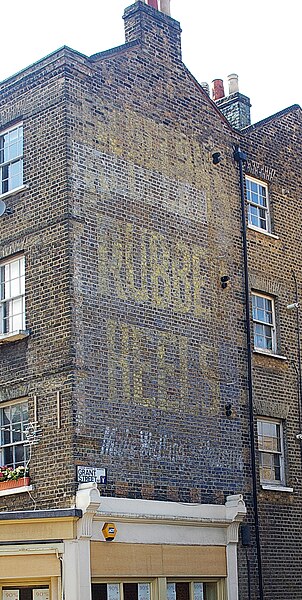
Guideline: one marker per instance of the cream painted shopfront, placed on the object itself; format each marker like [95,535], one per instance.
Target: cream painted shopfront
[160,550]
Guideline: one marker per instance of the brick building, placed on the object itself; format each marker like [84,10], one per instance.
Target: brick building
[124,352]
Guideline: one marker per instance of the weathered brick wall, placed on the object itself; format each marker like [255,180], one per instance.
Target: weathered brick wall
[127,227]
[274,151]
[159,342]
[123,195]
[40,365]
[237,109]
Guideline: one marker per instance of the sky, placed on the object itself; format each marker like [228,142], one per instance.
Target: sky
[259,40]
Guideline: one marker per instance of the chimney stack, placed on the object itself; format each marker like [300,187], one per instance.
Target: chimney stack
[217,89]
[155,29]
[235,107]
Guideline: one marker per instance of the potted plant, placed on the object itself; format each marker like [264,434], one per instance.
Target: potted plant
[13,477]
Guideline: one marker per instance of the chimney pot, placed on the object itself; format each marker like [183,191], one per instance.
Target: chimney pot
[165,6]
[233,83]
[153,3]
[205,86]
[217,89]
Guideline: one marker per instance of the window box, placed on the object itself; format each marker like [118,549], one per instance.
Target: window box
[14,483]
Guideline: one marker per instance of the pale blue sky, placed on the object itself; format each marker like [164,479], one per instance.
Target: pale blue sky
[260,41]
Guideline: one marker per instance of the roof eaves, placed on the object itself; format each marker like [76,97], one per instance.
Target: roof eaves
[273,117]
[114,51]
[63,50]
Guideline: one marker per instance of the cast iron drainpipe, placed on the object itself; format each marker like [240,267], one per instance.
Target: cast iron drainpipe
[240,157]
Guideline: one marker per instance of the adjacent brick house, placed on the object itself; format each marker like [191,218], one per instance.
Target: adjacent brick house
[123,338]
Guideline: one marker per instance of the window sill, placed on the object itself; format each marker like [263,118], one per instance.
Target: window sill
[14,336]
[272,235]
[19,490]
[269,354]
[276,488]
[21,188]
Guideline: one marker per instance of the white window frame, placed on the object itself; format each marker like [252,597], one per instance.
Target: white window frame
[11,159]
[218,585]
[12,296]
[258,204]
[13,430]
[264,324]
[275,454]
[115,589]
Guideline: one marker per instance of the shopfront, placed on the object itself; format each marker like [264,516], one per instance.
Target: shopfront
[121,549]
[32,547]
[164,550]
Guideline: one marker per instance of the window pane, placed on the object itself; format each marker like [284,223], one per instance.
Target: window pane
[6,415]
[14,288]
[130,591]
[15,175]
[143,591]
[19,455]
[16,413]
[13,150]
[99,591]
[4,179]
[113,591]
[171,591]
[18,318]
[198,591]
[254,186]
[8,457]
[24,410]
[6,435]
[182,591]
[210,591]
[277,467]
[10,594]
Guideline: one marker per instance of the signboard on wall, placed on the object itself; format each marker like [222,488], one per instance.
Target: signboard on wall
[91,474]
[10,595]
[40,594]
